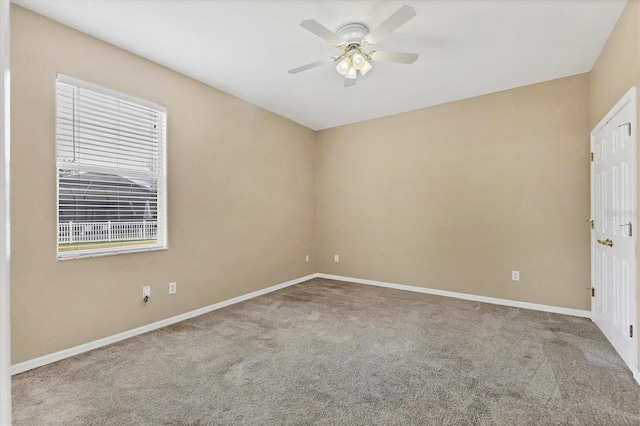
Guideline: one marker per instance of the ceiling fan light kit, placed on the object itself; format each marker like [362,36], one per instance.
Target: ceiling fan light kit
[351,64]
[352,39]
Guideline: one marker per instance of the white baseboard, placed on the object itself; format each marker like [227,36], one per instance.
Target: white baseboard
[58,356]
[465,296]
[66,353]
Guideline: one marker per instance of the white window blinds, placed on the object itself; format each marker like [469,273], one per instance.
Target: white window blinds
[111,151]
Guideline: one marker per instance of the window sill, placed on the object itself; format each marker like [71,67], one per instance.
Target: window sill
[71,255]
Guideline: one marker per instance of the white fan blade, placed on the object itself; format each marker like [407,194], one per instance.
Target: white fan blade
[348,82]
[397,57]
[322,32]
[392,23]
[311,65]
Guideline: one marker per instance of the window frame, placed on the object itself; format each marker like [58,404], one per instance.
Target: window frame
[161,195]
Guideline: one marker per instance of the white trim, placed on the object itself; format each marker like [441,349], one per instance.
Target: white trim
[591,218]
[465,296]
[108,92]
[636,375]
[88,254]
[630,96]
[5,223]
[58,356]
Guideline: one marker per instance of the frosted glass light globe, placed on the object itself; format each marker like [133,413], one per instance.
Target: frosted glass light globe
[365,68]
[358,61]
[344,66]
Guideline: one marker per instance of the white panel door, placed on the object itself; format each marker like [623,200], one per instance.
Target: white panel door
[613,210]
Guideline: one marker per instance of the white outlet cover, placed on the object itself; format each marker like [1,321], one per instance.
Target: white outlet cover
[515,275]
[173,287]
[146,291]
[307,258]
[336,258]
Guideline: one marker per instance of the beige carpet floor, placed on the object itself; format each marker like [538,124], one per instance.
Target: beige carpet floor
[332,353]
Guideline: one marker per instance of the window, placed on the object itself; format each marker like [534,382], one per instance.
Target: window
[111,163]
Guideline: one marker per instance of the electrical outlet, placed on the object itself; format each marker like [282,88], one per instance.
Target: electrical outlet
[515,275]
[336,258]
[173,288]
[306,258]
[146,291]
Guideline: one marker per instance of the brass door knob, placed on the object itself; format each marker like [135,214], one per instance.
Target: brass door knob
[606,242]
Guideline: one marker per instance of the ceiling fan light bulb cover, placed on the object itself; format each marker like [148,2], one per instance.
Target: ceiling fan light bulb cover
[343,66]
[352,73]
[358,61]
[365,68]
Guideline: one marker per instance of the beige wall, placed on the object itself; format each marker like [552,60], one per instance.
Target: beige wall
[456,196]
[240,188]
[616,70]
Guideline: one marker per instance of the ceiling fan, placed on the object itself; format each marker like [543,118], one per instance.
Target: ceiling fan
[354,39]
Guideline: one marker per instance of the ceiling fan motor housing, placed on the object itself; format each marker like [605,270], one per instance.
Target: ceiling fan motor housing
[353,34]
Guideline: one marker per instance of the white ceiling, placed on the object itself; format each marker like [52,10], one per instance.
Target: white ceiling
[467,48]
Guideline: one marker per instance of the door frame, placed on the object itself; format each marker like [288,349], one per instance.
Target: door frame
[628,98]
[5,258]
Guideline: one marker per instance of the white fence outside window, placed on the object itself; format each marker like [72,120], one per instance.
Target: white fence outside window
[91,232]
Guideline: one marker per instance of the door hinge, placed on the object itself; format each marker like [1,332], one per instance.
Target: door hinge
[630,331]
[593,292]
[591,221]
[592,156]
[628,125]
